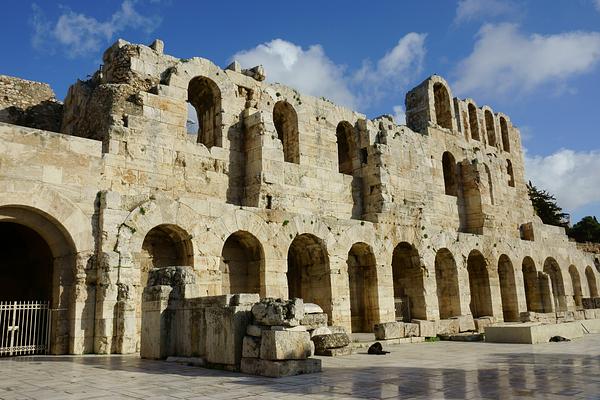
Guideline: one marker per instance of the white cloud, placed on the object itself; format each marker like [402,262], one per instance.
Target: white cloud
[468,10]
[399,114]
[312,72]
[79,34]
[569,175]
[309,71]
[597,2]
[505,60]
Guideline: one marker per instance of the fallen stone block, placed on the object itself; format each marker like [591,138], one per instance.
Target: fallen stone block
[254,330]
[388,330]
[340,351]
[271,311]
[276,369]
[313,321]
[338,329]
[323,330]
[251,347]
[448,327]
[244,299]
[481,323]
[285,345]
[312,308]
[426,328]
[333,341]
[589,314]
[411,329]
[465,323]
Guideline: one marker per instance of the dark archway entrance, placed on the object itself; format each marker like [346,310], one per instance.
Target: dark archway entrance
[242,262]
[446,279]
[308,273]
[508,289]
[362,277]
[479,283]
[552,270]
[407,274]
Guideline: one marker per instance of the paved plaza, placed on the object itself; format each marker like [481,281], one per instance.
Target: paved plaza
[568,370]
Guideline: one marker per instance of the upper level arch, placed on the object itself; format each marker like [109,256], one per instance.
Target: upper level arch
[504,134]
[473,121]
[450,175]
[346,147]
[285,120]
[490,126]
[205,96]
[442,105]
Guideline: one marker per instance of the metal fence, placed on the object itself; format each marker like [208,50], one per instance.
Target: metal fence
[24,327]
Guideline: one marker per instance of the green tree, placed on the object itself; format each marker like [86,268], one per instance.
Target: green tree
[545,206]
[586,230]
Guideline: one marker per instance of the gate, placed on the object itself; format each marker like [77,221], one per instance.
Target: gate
[24,327]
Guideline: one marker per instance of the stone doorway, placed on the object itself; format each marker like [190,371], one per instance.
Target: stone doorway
[407,273]
[479,284]
[446,278]
[508,289]
[362,279]
[242,261]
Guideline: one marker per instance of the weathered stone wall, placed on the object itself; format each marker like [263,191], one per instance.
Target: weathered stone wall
[315,196]
[29,103]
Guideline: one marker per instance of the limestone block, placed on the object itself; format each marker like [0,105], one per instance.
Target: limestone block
[411,329]
[299,328]
[285,345]
[589,314]
[579,315]
[448,327]
[597,313]
[244,299]
[225,331]
[271,311]
[426,328]
[312,308]
[389,330]
[481,323]
[338,329]
[254,330]
[251,347]
[313,321]
[276,369]
[340,351]
[323,330]
[465,323]
[333,341]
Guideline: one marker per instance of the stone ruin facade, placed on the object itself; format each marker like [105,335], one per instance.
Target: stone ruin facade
[278,194]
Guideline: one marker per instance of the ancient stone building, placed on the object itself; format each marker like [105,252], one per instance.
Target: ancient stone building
[276,193]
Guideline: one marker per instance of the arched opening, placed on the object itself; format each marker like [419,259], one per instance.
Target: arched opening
[470,210]
[479,284]
[504,133]
[473,122]
[446,279]
[38,264]
[407,274]
[346,147]
[490,128]
[204,95]
[242,261]
[530,280]
[591,278]
[508,289]
[511,174]
[443,111]
[490,183]
[552,270]
[576,282]
[450,176]
[286,125]
[164,245]
[362,277]
[308,274]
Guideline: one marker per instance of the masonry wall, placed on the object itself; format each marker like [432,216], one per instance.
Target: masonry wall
[267,169]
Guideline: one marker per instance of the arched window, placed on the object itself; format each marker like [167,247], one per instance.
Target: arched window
[443,112]
[286,125]
[450,178]
[345,147]
[504,132]
[489,126]
[473,122]
[511,174]
[205,96]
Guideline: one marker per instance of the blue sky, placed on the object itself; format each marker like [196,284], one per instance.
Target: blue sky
[537,61]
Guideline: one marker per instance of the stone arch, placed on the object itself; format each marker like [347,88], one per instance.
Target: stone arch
[504,134]
[308,272]
[530,281]
[40,264]
[511,174]
[407,275]
[205,96]
[490,128]
[362,278]
[473,121]
[552,269]
[446,278]
[591,278]
[242,263]
[286,125]
[443,110]
[450,175]
[508,289]
[576,283]
[346,147]
[479,284]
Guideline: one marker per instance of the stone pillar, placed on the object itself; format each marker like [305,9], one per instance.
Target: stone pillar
[156,322]
[495,293]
